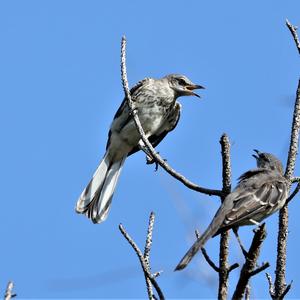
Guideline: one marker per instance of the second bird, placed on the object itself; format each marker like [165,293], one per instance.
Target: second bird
[259,193]
[159,112]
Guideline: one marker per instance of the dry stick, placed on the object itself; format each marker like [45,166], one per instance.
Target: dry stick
[294,193]
[147,251]
[144,265]
[206,256]
[293,30]
[224,241]
[280,279]
[9,291]
[280,286]
[248,270]
[148,145]
[271,286]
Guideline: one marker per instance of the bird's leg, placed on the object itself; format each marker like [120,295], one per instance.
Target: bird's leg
[254,222]
[235,231]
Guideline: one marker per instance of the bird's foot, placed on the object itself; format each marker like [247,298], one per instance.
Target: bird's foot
[150,160]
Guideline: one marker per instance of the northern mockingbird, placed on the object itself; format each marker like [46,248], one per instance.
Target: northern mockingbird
[159,112]
[259,193]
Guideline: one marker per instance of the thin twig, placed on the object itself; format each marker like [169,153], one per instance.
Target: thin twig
[235,231]
[9,291]
[294,193]
[209,261]
[143,264]
[206,256]
[150,148]
[271,286]
[233,267]
[287,289]
[293,30]
[224,240]
[260,269]
[248,268]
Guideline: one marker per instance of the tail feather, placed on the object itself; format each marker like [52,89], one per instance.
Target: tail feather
[94,186]
[194,249]
[208,233]
[96,198]
[102,204]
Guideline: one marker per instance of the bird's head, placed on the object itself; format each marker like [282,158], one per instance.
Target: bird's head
[268,161]
[182,86]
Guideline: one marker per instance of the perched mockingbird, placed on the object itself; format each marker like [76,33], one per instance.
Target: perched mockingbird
[159,112]
[259,193]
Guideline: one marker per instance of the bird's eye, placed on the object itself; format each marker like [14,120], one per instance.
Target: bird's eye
[181,81]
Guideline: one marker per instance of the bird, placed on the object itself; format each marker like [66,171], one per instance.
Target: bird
[259,193]
[159,112]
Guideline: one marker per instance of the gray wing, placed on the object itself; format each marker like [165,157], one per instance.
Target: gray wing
[170,125]
[256,199]
[133,91]
[259,193]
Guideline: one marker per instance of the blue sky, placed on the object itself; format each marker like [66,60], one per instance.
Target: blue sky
[60,87]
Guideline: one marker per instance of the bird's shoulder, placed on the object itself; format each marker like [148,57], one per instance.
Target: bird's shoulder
[259,176]
[140,84]
[133,91]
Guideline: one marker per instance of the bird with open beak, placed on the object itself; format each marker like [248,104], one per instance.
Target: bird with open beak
[159,112]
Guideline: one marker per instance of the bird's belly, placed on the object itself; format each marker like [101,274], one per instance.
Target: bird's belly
[123,141]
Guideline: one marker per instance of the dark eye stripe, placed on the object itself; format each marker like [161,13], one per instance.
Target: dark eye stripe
[181,81]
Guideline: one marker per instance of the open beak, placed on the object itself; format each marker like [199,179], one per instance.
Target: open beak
[257,152]
[192,87]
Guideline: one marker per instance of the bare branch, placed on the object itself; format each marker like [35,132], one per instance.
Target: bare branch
[271,286]
[235,231]
[286,290]
[293,30]
[294,193]
[150,148]
[225,150]
[224,240]
[147,250]
[249,266]
[260,269]
[280,279]
[9,291]
[209,261]
[294,138]
[233,267]
[148,275]
[206,256]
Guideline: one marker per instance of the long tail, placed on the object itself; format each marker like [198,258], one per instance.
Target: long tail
[95,200]
[208,233]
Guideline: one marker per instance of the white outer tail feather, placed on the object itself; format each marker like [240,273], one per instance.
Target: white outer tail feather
[96,198]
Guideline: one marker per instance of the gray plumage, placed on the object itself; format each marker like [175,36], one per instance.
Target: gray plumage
[159,113]
[259,193]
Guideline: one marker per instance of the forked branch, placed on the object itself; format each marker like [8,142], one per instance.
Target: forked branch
[145,259]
